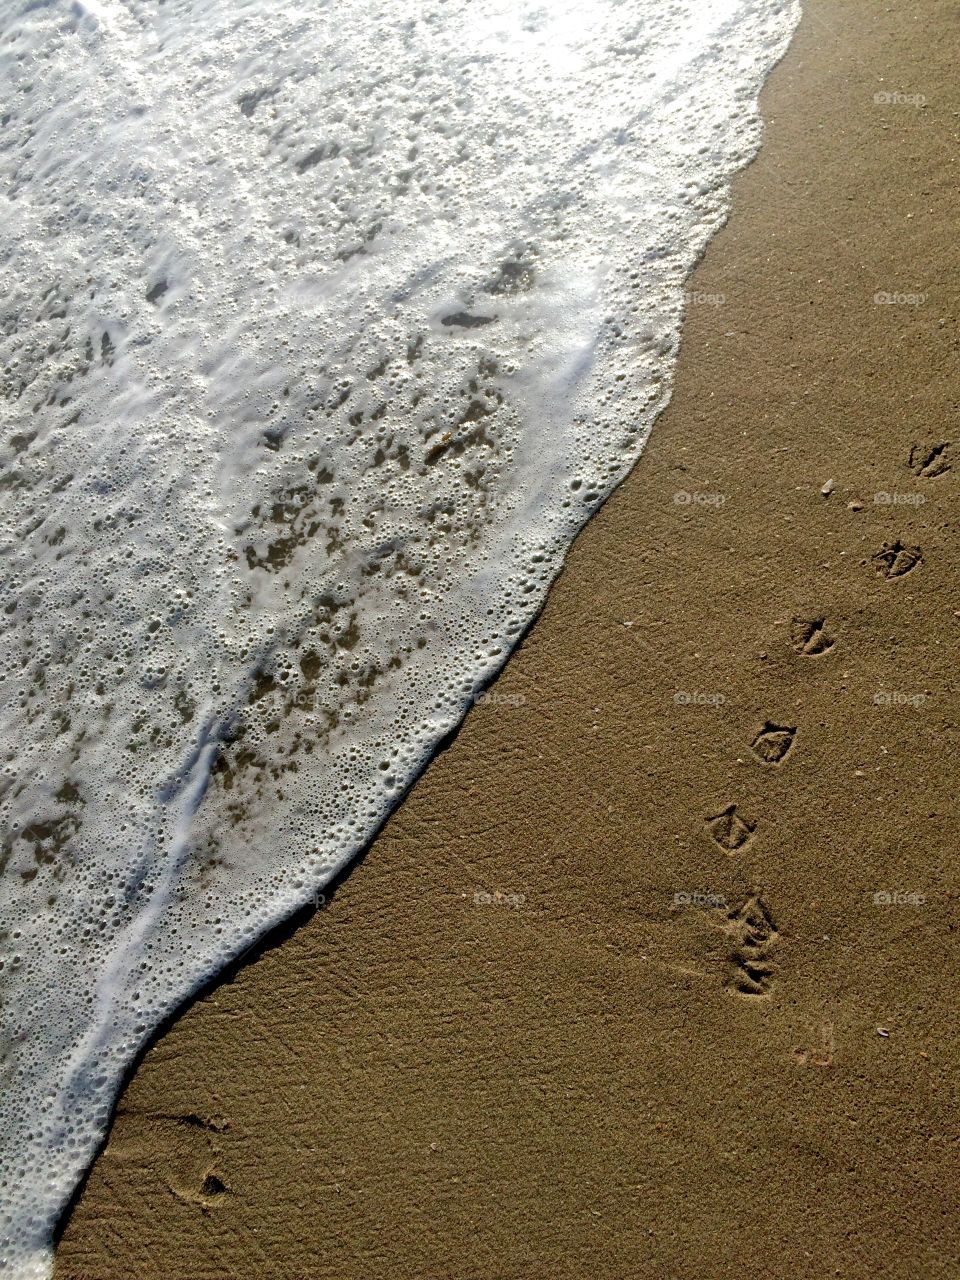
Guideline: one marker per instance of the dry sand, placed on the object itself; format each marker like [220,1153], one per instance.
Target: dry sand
[504,1049]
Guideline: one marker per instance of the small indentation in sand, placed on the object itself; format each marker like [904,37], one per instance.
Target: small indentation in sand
[929,460]
[895,559]
[729,830]
[811,637]
[772,744]
[753,936]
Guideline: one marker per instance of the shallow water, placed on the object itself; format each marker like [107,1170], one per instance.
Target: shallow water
[324,329]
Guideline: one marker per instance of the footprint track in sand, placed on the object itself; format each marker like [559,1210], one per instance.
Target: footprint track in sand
[811,637]
[753,937]
[211,1188]
[729,830]
[204,1192]
[896,559]
[773,743]
[929,460]
[194,1174]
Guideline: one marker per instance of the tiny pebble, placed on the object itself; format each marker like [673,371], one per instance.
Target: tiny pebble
[882,1031]
[827,489]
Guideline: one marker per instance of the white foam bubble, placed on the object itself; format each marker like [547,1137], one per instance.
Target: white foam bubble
[323,330]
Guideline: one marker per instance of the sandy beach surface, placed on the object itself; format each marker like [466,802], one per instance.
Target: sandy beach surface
[653,975]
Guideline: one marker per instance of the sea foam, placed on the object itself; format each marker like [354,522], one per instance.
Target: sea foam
[324,328]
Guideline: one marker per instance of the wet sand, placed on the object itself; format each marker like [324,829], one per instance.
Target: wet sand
[654,973]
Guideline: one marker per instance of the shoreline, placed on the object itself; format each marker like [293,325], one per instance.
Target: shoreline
[613,989]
